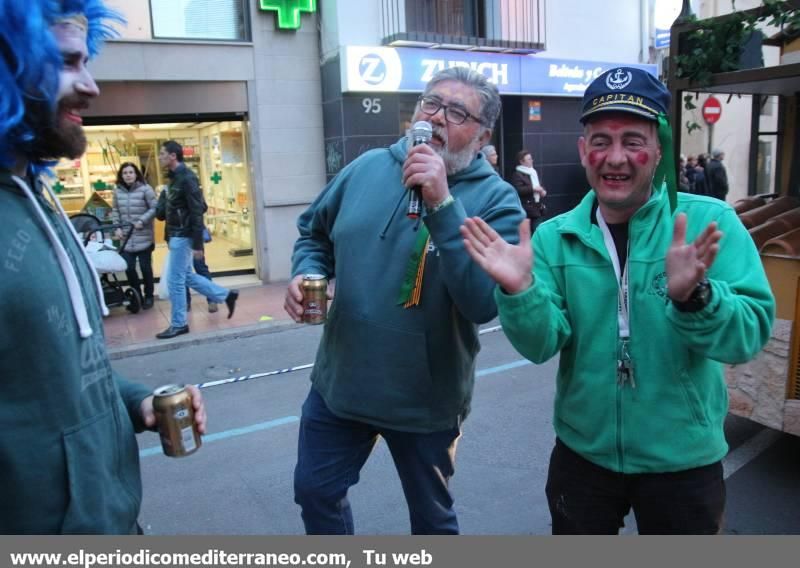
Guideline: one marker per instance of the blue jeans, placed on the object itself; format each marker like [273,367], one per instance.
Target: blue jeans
[331,452]
[181,276]
[201,268]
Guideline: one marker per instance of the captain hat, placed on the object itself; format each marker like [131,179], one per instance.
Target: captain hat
[626,89]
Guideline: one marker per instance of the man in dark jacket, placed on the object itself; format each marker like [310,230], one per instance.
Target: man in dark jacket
[716,176]
[69,462]
[182,208]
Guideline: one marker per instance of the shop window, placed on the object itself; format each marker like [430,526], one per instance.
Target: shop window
[200,19]
[765,164]
[215,151]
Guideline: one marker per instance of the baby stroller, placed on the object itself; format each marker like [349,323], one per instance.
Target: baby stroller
[106,260]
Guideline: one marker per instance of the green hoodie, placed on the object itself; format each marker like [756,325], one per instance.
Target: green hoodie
[68,456]
[673,419]
[406,369]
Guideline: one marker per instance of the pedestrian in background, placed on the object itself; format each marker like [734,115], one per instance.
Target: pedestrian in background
[490,153]
[683,180]
[69,462]
[134,202]
[717,176]
[200,265]
[182,206]
[700,179]
[643,298]
[397,355]
[531,193]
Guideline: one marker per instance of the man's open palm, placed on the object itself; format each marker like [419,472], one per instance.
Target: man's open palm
[687,263]
[508,265]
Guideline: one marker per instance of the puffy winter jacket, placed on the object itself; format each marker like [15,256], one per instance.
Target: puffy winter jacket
[137,203]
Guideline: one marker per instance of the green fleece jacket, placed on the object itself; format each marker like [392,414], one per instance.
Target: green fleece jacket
[673,419]
[406,369]
[69,461]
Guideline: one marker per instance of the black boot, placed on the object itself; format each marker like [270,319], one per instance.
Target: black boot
[230,301]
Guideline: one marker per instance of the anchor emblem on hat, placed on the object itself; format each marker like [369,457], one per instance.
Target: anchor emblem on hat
[618,80]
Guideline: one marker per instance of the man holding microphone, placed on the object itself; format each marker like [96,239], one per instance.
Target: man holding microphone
[397,356]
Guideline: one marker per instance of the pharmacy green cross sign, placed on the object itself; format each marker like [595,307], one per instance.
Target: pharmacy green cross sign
[288,11]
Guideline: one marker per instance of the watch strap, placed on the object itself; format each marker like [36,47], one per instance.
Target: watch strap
[699,299]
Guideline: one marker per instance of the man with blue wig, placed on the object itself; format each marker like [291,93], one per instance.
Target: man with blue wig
[68,455]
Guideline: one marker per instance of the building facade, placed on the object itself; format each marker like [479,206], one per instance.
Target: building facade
[378,55]
[239,92]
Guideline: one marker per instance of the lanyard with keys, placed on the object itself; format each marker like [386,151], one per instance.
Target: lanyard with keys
[624,360]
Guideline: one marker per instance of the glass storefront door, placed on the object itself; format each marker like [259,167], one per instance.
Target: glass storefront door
[215,151]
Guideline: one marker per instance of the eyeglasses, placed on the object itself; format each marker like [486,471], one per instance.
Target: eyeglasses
[452,114]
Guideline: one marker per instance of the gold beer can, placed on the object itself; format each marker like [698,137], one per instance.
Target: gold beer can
[174,412]
[315,298]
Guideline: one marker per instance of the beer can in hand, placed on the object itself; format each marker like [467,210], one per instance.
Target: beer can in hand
[315,298]
[174,412]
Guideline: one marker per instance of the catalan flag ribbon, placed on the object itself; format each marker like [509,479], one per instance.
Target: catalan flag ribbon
[411,289]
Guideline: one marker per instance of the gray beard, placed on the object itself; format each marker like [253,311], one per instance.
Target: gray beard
[454,162]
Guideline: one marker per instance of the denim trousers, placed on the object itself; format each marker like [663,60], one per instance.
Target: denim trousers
[181,277]
[145,258]
[331,452]
[585,498]
[201,268]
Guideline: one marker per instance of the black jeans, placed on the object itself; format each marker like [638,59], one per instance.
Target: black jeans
[145,264]
[585,498]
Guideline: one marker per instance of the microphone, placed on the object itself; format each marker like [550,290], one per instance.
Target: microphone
[421,133]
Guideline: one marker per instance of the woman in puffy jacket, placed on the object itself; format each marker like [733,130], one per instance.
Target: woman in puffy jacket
[135,202]
[526,181]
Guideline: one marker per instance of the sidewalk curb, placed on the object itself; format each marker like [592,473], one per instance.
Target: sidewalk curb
[158,346]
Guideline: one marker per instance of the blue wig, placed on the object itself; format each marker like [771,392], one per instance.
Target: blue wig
[30,62]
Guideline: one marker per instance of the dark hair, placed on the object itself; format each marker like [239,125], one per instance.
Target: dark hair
[487,92]
[521,154]
[139,176]
[173,147]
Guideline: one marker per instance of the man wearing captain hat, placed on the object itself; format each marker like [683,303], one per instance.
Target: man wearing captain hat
[644,293]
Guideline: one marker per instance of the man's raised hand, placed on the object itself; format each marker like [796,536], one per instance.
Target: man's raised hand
[687,264]
[508,265]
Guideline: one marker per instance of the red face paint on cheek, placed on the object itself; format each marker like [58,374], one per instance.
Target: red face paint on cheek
[594,157]
[642,158]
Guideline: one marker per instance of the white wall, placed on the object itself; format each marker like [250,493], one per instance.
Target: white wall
[596,31]
[286,134]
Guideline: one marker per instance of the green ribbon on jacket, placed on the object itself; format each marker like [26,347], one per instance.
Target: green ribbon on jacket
[411,289]
[665,172]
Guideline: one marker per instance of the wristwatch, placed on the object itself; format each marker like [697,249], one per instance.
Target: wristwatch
[701,296]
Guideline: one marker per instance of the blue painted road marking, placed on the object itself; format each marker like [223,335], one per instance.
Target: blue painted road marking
[156,450]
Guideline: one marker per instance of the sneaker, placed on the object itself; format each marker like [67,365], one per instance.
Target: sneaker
[172,331]
[148,303]
[212,308]
[230,301]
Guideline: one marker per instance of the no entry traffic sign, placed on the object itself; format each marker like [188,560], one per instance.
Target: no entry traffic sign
[712,110]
